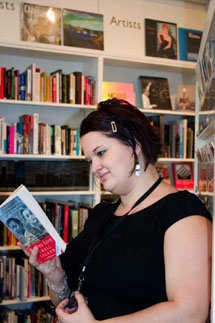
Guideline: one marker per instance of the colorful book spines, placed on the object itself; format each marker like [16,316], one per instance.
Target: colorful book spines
[37,86]
[29,136]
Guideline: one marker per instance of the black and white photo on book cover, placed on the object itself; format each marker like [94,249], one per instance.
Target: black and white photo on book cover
[160,39]
[155,93]
[24,217]
[41,24]
[19,219]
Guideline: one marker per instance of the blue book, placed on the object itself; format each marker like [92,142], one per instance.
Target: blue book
[20,137]
[189,43]
[22,86]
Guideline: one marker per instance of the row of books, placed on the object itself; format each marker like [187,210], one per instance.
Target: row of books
[29,136]
[177,137]
[205,74]
[20,280]
[206,152]
[34,85]
[38,313]
[177,174]
[68,219]
[43,175]
[206,178]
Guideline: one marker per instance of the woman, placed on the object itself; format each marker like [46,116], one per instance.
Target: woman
[166,43]
[152,258]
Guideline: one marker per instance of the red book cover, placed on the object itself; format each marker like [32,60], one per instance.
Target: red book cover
[54,89]
[2,85]
[183,175]
[66,223]
[11,139]
[24,217]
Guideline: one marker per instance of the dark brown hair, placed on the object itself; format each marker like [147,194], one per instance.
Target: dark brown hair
[132,127]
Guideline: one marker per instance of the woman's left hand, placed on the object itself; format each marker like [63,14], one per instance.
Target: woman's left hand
[82,315]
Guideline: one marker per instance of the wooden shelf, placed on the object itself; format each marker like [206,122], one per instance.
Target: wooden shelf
[42,157]
[172,112]
[48,104]
[29,300]
[176,160]
[55,193]
[150,62]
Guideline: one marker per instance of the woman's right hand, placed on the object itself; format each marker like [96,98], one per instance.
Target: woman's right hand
[51,269]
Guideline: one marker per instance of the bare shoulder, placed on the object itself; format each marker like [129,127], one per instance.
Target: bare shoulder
[165,189]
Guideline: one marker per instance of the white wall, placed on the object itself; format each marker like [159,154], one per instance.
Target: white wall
[124,39]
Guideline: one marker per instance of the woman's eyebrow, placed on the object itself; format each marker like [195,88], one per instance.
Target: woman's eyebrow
[94,150]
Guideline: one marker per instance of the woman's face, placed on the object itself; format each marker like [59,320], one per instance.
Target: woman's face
[111,160]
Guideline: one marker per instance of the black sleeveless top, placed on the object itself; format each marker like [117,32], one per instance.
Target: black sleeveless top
[127,273]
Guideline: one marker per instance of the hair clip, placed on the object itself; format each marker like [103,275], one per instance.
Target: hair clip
[113,126]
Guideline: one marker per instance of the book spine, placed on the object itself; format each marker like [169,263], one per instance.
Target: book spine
[22,86]
[66,223]
[35,133]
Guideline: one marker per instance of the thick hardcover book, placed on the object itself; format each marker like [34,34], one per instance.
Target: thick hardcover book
[155,93]
[24,217]
[189,43]
[118,90]
[160,39]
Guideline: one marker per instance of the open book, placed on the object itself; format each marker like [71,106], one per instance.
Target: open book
[24,217]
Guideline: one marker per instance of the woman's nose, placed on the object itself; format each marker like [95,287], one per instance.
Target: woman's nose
[96,165]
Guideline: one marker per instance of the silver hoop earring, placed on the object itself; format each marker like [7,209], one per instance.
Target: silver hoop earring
[137,169]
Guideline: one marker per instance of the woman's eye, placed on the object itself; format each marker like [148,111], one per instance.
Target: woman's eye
[100,153]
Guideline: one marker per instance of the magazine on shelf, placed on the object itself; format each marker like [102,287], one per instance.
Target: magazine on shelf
[118,90]
[41,24]
[155,93]
[160,39]
[24,217]
[189,43]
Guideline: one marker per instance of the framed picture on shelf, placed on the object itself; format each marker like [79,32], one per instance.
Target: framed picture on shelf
[155,93]
[41,24]
[183,175]
[160,39]
[189,43]
[118,90]
[83,29]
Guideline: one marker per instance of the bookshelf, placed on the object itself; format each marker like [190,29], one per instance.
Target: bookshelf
[115,64]
[205,130]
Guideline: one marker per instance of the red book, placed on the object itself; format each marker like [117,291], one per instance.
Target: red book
[54,89]
[11,139]
[66,223]
[183,175]
[24,217]
[2,85]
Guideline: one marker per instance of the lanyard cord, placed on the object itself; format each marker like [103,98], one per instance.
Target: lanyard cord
[87,259]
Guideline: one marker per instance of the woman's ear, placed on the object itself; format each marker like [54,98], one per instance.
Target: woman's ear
[138,148]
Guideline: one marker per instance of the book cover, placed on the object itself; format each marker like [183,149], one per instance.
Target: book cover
[118,90]
[24,217]
[41,24]
[189,43]
[183,175]
[83,29]
[155,93]
[160,39]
